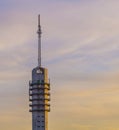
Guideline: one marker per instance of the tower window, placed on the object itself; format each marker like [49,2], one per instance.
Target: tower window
[42,81]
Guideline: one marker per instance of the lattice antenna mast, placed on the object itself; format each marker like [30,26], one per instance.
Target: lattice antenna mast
[39,42]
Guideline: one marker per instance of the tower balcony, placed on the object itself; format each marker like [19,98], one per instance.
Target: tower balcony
[39,99]
[39,109]
[39,104]
[39,87]
[38,93]
[38,82]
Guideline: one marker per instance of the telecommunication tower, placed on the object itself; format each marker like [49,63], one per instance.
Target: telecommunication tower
[39,95]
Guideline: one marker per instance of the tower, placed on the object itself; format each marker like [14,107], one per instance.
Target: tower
[39,95]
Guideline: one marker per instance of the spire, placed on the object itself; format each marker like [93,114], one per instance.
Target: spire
[39,42]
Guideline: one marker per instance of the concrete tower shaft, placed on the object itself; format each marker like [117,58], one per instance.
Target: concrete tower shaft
[39,95]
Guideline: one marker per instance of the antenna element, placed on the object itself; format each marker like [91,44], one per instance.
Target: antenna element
[39,42]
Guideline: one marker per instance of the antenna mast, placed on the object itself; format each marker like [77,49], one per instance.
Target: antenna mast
[39,42]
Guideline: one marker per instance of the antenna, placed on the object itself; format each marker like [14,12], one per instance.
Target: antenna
[39,41]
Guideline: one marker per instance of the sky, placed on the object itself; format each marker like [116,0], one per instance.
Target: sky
[80,48]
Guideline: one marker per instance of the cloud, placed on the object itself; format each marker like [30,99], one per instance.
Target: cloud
[79,47]
[67,36]
[89,104]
